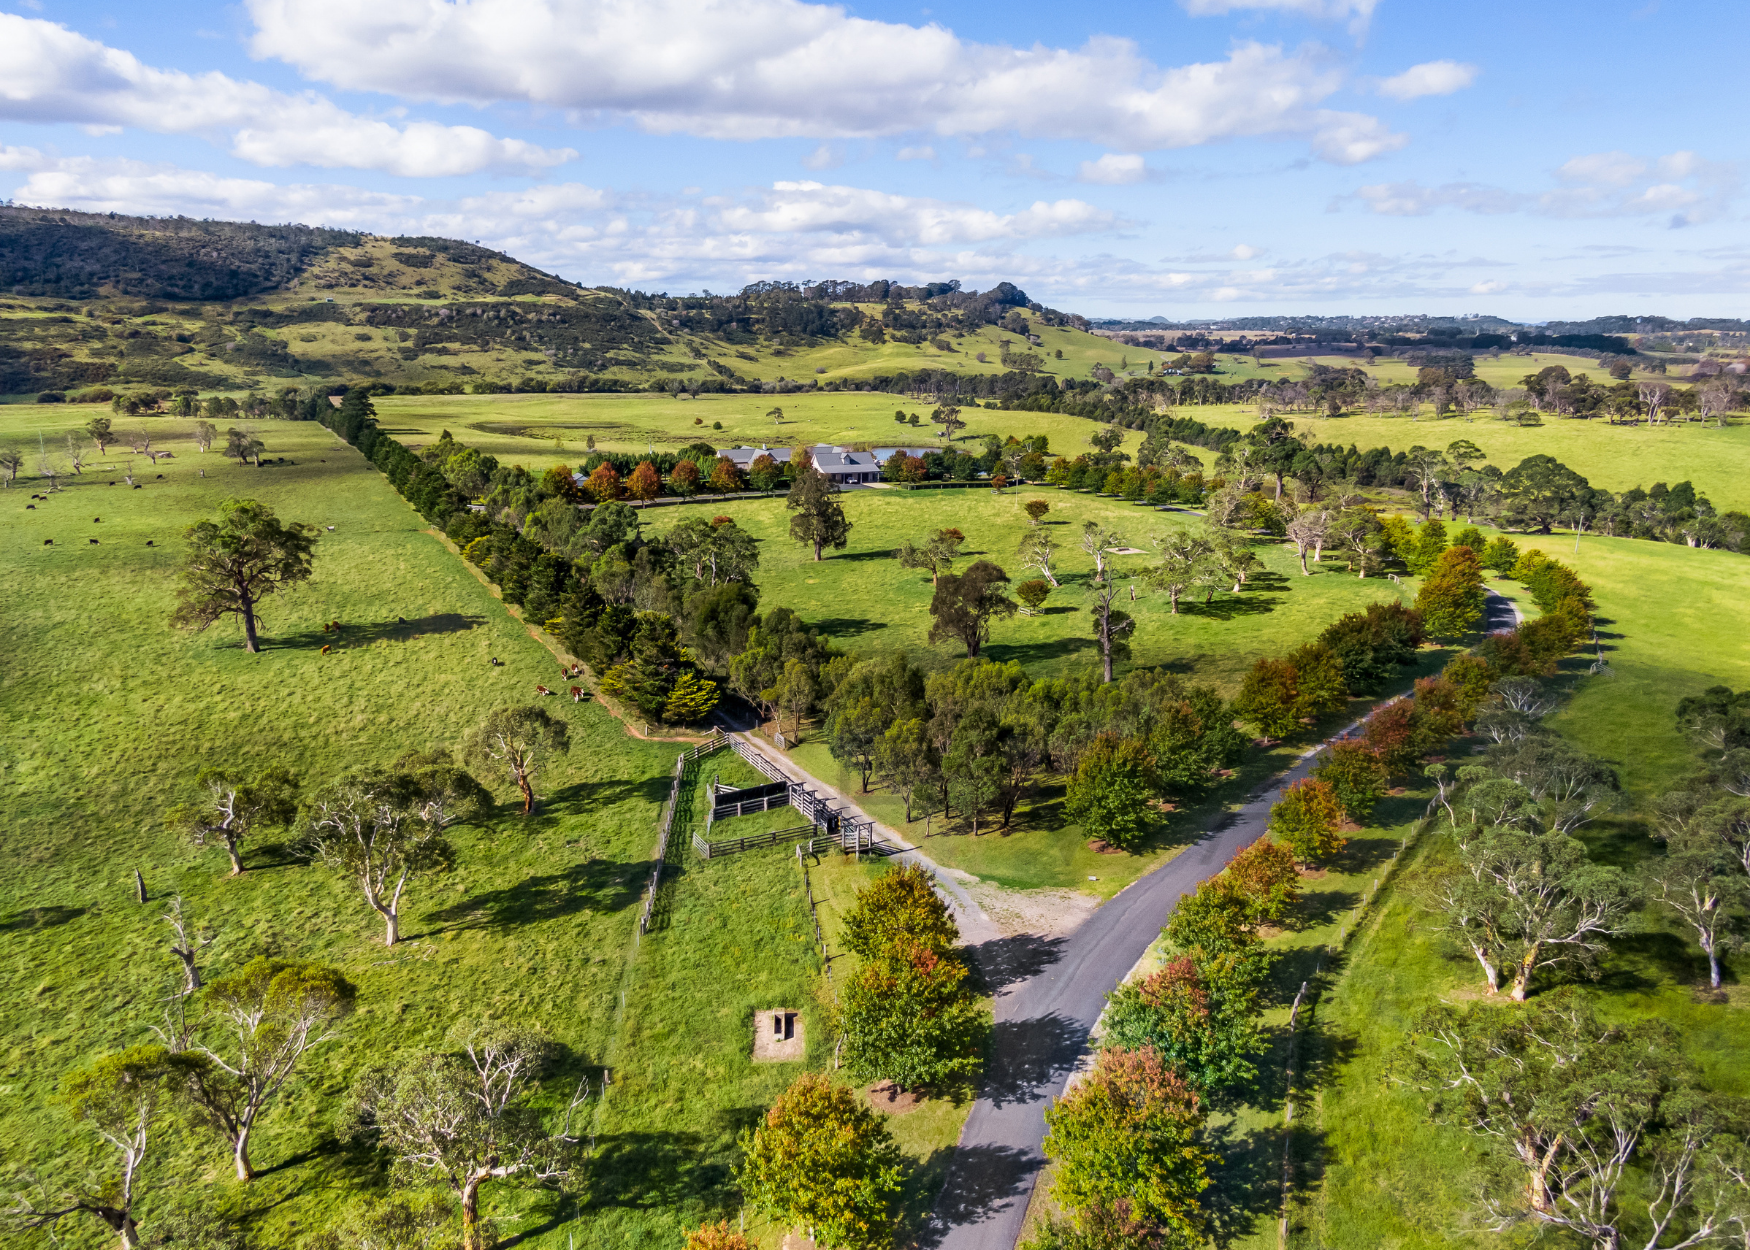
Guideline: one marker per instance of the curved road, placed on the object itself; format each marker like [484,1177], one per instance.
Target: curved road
[1048,996]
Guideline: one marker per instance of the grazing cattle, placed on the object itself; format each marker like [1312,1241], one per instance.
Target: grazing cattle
[577,694]
[30,507]
[112,483]
[330,529]
[496,662]
[148,542]
[326,649]
[136,486]
[96,520]
[401,620]
[542,690]
[160,477]
[92,541]
[48,542]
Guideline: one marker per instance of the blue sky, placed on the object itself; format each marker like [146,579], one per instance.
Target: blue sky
[1187,158]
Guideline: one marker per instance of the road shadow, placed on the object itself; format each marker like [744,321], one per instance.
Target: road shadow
[1028,1056]
[980,1180]
[399,630]
[598,885]
[1003,962]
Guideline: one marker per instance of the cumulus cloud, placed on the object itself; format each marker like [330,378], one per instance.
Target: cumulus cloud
[1429,78]
[922,152]
[49,74]
[1114,169]
[754,69]
[814,208]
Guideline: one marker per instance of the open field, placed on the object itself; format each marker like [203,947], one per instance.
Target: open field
[111,713]
[1615,457]
[521,428]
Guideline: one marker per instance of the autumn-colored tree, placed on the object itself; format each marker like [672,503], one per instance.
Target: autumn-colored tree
[1390,733]
[718,1236]
[1204,1027]
[1036,510]
[822,1158]
[1264,874]
[1471,676]
[1130,1132]
[1270,698]
[603,485]
[684,481]
[558,480]
[1356,776]
[1318,679]
[1309,819]
[901,904]
[725,477]
[1451,598]
[1436,715]
[645,483]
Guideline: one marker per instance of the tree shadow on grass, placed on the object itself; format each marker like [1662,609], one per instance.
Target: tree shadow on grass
[1248,1182]
[1036,652]
[50,917]
[597,885]
[884,553]
[1642,962]
[399,630]
[648,1171]
[1226,609]
[848,626]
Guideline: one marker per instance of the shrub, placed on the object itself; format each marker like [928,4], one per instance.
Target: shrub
[1202,1033]
[901,904]
[1500,556]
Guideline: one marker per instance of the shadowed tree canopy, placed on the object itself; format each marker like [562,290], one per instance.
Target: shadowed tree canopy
[235,562]
[818,517]
[964,604]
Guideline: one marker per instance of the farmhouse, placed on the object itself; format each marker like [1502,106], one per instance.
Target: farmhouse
[844,466]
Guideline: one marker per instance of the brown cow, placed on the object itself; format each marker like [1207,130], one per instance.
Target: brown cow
[542,690]
[577,694]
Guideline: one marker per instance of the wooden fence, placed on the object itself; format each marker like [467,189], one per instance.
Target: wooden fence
[682,762]
[831,827]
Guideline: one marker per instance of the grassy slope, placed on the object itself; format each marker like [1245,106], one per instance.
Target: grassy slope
[117,714]
[1667,623]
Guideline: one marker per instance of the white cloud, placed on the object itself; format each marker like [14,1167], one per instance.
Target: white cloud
[1350,138]
[813,208]
[1429,78]
[1692,190]
[823,157]
[1114,169]
[1611,169]
[752,69]
[1490,287]
[1245,251]
[1325,10]
[922,153]
[51,74]
[1356,12]
[1412,199]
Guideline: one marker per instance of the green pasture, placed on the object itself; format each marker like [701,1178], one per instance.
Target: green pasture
[111,713]
[1614,457]
[520,429]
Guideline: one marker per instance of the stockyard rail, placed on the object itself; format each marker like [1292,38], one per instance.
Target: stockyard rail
[829,826]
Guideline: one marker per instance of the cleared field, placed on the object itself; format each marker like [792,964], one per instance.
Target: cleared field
[521,428]
[1615,457]
[110,715]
